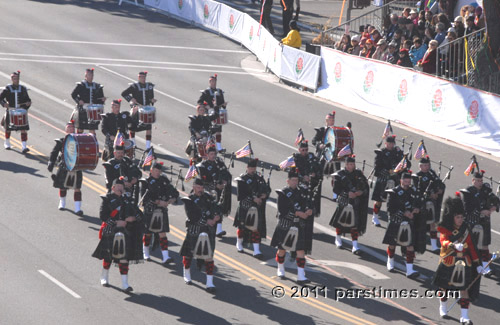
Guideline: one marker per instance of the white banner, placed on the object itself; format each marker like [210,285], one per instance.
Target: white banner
[461,114]
[288,63]
[206,13]
[300,67]
[231,23]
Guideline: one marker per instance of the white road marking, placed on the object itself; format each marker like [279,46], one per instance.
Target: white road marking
[186,162]
[127,60]
[193,106]
[184,48]
[62,286]
[368,271]
[244,73]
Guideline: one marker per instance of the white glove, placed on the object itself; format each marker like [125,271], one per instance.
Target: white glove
[480,269]
[459,247]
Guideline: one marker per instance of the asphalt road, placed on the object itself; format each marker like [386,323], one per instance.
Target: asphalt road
[52,44]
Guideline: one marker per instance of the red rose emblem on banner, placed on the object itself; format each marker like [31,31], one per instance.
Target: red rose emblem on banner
[180,4]
[299,65]
[437,101]
[473,112]
[403,91]
[250,35]
[231,21]
[206,12]
[338,72]
[368,84]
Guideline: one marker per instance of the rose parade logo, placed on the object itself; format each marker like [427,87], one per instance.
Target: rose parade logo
[206,12]
[403,91]
[299,65]
[231,21]
[180,4]
[250,35]
[368,84]
[473,112]
[437,101]
[338,72]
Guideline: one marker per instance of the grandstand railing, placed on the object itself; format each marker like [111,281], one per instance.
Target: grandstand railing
[457,61]
[374,17]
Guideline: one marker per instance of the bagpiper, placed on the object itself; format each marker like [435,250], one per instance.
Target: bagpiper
[122,165]
[120,234]
[202,213]
[310,177]
[87,92]
[352,203]
[319,142]
[459,262]
[217,181]
[214,97]
[64,179]
[250,217]
[138,94]
[431,190]
[157,193]
[480,202]
[16,101]
[200,127]
[112,123]
[294,208]
[386,161]
[403,207]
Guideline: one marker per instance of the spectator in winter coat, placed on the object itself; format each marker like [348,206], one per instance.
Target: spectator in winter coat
[417,51]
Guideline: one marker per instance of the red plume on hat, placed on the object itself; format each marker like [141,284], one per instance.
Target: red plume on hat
[482,171]
[121,178]
[161,163]
[457,193]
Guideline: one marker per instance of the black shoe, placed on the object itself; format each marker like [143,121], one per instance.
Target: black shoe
[210,290]
[468,322]
[79,213]
[8,148]
[222,151]
[62,209]
[241,252]
[445,317]
[129,289]
[189,283]
[259,256]
[302,282]
[25,150]
[148,259]
[168,261]
[414,275]
[357,252]
[222,233]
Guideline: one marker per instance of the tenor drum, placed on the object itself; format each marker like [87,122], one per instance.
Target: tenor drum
[338,138]
[18,117]
[129,148]
[81,152]
[147,114]
[94,111]
[201,147]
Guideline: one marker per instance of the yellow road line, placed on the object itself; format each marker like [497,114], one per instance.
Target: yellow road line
[259,277]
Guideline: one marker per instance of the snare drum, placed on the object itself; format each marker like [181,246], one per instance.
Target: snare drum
[94,111]
[129,148]
[147,114]
[81,151]
[222,119]
[18,117]
[338,138]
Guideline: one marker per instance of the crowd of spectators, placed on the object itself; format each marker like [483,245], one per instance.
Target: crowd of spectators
[411,38]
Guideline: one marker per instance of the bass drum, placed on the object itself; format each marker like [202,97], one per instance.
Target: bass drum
[338,138]
[81,151]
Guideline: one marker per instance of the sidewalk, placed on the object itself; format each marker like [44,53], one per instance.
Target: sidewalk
[314,15]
